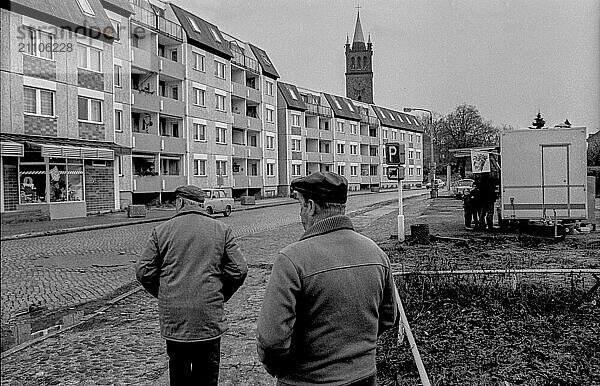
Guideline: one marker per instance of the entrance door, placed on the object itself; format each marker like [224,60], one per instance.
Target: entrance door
[555,180]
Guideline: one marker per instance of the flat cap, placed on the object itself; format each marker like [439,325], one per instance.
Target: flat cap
[190,192]
[323,186]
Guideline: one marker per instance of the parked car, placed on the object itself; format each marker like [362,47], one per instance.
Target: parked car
[463,187]
[439,183]
[216,201]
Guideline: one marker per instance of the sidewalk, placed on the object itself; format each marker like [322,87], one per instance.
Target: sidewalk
[115,219]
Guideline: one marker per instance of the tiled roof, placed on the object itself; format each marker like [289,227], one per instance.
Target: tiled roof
[265,62]
[121,7]
[398,120]
[206,36]
[343,107]
[68,15]
[292,96]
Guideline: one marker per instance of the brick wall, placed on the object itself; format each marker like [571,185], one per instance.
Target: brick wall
[92,131]
[90,79]
[36,125]
[11,183]
[39,68]
[99,187]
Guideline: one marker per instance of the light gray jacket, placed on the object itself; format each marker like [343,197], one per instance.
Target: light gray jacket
[193,265]
[329,297]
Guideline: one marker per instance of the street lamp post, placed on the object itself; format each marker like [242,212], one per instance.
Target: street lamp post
[432,164]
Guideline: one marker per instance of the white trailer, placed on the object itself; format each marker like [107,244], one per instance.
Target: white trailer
[543,175]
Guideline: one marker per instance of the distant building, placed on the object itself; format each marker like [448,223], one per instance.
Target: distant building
[359,66]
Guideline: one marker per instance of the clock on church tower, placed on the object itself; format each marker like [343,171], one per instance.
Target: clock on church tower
[359,69]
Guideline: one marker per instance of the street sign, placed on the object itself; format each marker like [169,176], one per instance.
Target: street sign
[394,153]
[395,173]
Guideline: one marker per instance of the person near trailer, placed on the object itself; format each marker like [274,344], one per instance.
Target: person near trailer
[487,194]
[193,265]
[329,297]
[471,208]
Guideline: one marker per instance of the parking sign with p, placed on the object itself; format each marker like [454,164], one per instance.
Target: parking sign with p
[394,153]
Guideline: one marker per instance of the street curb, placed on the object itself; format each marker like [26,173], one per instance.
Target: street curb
[144,221]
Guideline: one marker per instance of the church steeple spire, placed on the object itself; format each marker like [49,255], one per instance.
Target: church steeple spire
[359,38]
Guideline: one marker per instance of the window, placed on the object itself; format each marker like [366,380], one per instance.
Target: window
[418,138]
[174,56]
[38,101]
[221,168]
[270,142]
[411,154]
[402,136]
[270,115]
[411,171]
[194,25]
[295,120]
[270,170]
[337,103]
[269,88]
[353,149]
[169,167]
[394,134]
[292,93]
[175,92]
[221,132]
[354,171]
[199,132]
[296,169]
[219,69]
[349,105]
[199,97]
[89,58]
[90,110]
[38,43]
[353,128]
[86,7]
[118,76]
[340,126]
[119,120]
[341,169]
[418,171]
[198,61]
[384,133]
[220,102]
[66,180]
[116,28]
[418,154]
[199,167]
[295,145]
[215,35]
[340,148]
[410,138]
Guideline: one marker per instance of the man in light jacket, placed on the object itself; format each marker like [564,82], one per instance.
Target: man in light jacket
[329,297]
[193,265]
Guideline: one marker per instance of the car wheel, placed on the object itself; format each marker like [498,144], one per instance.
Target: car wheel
[209,210]
[227,211]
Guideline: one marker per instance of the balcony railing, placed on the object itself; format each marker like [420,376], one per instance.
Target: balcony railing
[369,119]
[323,111]
[244,61]
[150,19]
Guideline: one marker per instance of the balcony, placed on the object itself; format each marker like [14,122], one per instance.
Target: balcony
[240,121]
[369,179]
[172,145]
[322,111]
[171,68]
[243,151]
[170,183]
[144,59]
[370,120]
[243,60]
[374,140]
[146,142]
[325,134]
[312,133]
[253,95]
[146,184]
[238,90]
[319,157]
[297,155]
[296,130]
[367,159]
[150,19]
[141,100]
[241,181]
[254,124]
[172,107]
[327,157]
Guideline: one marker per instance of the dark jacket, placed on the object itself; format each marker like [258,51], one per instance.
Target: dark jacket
[193,265]
[329,297]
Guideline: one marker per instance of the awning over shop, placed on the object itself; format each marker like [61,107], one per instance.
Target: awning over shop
[11,149]
[36,140]
[57,151]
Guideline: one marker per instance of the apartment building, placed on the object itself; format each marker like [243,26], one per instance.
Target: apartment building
[58,142]
[403,128]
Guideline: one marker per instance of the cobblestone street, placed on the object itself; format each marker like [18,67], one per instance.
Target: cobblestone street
[129,330]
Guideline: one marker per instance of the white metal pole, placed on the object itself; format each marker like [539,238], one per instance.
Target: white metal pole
[400,209]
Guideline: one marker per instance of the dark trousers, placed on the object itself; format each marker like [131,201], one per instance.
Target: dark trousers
[194,363]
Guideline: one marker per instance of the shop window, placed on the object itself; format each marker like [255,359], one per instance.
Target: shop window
[66,180]
[32,183]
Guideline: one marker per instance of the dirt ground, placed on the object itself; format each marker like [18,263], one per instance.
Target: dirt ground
[531,329]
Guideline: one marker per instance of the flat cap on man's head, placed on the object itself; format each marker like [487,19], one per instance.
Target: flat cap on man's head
[190,192]
[323,187]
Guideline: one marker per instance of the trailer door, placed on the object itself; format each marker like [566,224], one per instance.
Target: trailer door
[555,181]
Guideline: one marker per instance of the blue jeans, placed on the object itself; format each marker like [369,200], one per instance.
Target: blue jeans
[194,363]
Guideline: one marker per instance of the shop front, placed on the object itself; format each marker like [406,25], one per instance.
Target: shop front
[54,181]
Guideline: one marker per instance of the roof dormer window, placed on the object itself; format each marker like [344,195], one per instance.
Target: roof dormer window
[216,35]
[86,8]
[292,93]
[349,105]
[194,25]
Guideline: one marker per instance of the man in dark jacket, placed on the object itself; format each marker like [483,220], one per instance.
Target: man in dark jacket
[329,297]
[193,265]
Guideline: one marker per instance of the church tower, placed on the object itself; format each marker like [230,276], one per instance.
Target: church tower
[359,66]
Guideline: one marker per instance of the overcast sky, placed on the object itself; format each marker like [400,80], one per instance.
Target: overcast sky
[509,58]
